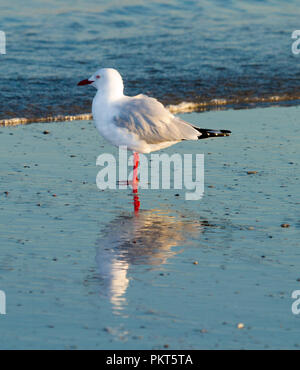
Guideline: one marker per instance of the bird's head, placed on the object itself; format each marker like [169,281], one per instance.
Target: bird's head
[107,80]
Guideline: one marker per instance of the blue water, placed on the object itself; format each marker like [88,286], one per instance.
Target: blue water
[174,50]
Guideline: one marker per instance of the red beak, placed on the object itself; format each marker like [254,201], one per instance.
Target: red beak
[84,82]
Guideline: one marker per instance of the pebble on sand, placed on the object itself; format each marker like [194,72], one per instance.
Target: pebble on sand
[107,329]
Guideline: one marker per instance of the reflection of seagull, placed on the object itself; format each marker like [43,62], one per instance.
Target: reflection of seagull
[141,123]
[144,238]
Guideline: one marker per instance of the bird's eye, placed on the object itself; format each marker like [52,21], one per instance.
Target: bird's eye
[97,76]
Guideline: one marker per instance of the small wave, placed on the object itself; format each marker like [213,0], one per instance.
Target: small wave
[186,107]
[59,118]
[183,107]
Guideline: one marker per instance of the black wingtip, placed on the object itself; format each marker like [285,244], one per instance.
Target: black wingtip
[226,132]
[208,133]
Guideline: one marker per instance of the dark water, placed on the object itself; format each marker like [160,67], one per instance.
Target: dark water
[177,51]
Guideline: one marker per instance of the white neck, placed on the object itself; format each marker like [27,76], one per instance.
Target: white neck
[102,102]
[111,90]
[108,95]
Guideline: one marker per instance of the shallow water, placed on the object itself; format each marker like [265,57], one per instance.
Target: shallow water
[82,270]
[177,51]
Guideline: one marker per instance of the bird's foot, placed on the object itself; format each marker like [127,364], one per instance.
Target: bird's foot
[128,182]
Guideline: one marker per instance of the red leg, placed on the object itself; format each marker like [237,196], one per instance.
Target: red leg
[135,179]
[135,182]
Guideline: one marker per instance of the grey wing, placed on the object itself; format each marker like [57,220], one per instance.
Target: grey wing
[151,121]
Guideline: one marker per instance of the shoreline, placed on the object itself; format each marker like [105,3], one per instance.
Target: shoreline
[183,107]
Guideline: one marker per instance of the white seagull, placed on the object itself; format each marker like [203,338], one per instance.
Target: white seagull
[140,122]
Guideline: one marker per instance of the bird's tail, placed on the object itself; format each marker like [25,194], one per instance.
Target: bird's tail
[208,133]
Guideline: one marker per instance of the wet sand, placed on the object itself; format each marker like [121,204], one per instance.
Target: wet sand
[81,270]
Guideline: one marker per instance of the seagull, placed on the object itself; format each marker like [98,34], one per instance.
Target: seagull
[141,123]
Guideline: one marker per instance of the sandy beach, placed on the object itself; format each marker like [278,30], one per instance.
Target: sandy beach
[82,271]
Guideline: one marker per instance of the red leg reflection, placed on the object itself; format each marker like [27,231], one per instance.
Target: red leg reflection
[136,203]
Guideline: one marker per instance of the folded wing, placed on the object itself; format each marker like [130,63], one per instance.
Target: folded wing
[151,121]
